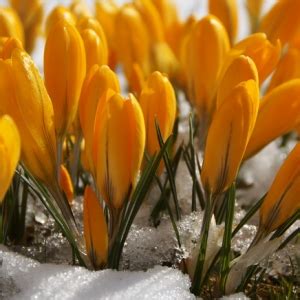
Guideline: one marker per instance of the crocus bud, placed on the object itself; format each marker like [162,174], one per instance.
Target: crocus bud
[228,137]
[66,183]
[10,24]
[10,147]
[8,45]
[64,67]
[207,47]
[22,88]
[133,40]
[95,229]
[264,54]
[282,200]
[96,83]
[282,21]
[158,102]
[281,104]
[242,68]
[31,14]
[57,14]
[254,8]
[226,11]
[106,12]
[119,124]
[136,80]
[288,68]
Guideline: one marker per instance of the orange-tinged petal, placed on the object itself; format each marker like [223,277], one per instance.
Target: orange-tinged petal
[10,24]
[207,47]
[119,142]
[31,14]
[254,8]
[228,136]
[10,148]
[97,82]
[95,50]
[136,80]
[288,68]
[57,14]
[264,53]
[24,97]
[158,102]
[242,68]
[95,229]
[281,104]
[282,21]
[64,67]
[282,200]
[226,11]
[66,183]
[8,46]
[133,40]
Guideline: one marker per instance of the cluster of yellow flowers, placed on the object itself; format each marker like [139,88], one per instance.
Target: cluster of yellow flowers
[80,98]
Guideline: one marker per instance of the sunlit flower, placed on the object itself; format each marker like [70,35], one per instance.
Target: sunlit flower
[66,183]
[10,147]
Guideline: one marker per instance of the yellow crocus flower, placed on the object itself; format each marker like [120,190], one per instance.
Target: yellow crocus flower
[24,97]
[264,54]
[228,136]
[288,68]
[64,68]
[282,200]
[282,21]
[207,48]
[31,14]
[97,82]
[281,104]
[226,11]
[10,24]
[133,40]
[95,229]
[10,148]
[66,184]
[119,143]
[254,8]
[242,68]
[57,14]
[8,45]
[158,102]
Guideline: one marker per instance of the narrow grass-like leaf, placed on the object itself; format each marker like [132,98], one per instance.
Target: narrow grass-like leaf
[289,238]
[226,245]
[168,165]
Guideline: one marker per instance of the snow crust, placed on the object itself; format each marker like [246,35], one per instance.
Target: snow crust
[24,278]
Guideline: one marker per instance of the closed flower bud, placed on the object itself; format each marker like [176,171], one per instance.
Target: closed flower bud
[254,8]
[97,82]
[158,102]
[282,21]
[228,136]
[95,229]
[281,104]
[136,80]
[242,68]
[133,40]
[95,50]
[22,88]
[119,143]
[8,45]
[31,14]
[226,11]
[57,14]
[282,200]
[264,54]
[10,147]
[207,48]
[66,183]
[10,24]
[64,67]
[288,68]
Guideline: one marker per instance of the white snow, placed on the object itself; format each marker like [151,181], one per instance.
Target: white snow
[24,278]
